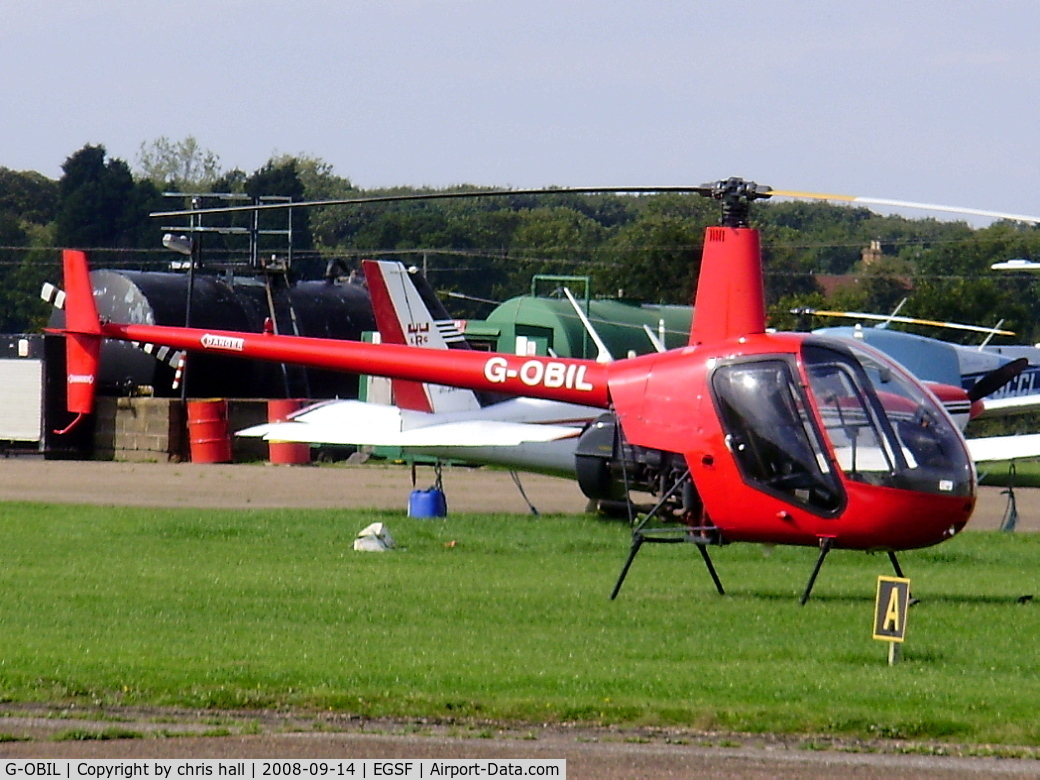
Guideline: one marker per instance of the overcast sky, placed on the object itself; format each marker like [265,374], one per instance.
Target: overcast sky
[927,101]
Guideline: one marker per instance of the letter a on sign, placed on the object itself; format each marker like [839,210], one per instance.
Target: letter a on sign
[893,600]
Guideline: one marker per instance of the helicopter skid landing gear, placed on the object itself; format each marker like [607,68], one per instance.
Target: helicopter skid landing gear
[899,573]
[637,541]
[668,535]
[895,563]
[825,547]
[826,544]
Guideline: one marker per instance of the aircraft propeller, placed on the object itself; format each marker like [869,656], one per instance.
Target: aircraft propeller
[996,379]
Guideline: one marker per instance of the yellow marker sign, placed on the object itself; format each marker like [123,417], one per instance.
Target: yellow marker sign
[890,608]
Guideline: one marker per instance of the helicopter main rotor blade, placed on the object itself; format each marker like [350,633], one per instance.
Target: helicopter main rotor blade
[699,190]
[713,190]
[908,204]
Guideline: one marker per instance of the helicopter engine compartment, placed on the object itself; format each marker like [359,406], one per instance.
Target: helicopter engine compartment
[608,469]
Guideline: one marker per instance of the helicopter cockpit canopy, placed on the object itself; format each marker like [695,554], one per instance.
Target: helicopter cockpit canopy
[872,423]
[884,427]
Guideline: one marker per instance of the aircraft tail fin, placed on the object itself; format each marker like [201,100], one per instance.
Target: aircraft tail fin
[82,333]
[408,312]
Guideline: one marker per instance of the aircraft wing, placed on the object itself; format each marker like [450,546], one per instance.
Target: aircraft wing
[1019,404]
[356,422]
[997,448]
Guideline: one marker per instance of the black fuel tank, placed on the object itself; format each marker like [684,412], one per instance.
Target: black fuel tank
[334,310]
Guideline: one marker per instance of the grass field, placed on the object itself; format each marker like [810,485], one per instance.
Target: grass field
[1026,473]
[508,617]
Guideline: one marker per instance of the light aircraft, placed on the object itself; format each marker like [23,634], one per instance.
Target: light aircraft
[1000,380]
[742,435]
[998,383]
[945,362]
[530,434]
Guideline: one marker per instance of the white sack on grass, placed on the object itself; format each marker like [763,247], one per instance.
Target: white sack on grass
[374,538]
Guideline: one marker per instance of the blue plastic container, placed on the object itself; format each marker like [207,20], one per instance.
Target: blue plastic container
[427,503]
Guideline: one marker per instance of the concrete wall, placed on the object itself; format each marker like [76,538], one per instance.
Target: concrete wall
[140,429]
[156,429]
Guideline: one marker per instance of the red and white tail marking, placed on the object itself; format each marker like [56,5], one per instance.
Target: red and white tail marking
[178,374]
[404,318]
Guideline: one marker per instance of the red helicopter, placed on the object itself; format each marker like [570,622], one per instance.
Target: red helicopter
[741,436]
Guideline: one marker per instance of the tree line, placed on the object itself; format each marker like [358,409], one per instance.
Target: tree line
[641,248]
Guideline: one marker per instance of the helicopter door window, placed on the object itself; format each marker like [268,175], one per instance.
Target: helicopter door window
[771,435]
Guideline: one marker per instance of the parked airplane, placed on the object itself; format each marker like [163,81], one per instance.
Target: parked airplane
[975,368]
[941,361]
[429,419]
[743,435]
[1001,382]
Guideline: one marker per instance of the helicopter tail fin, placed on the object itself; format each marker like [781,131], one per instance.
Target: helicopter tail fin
[82,333]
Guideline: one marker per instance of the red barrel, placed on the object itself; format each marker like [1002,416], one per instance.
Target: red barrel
[286,452]
[208,437]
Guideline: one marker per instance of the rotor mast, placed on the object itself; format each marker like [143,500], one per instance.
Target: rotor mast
[730,298]
[736,195]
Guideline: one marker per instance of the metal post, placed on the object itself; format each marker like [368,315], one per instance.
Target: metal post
[895,652]
[193,258]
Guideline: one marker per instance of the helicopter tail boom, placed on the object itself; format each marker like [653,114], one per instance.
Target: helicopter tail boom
[558,379]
